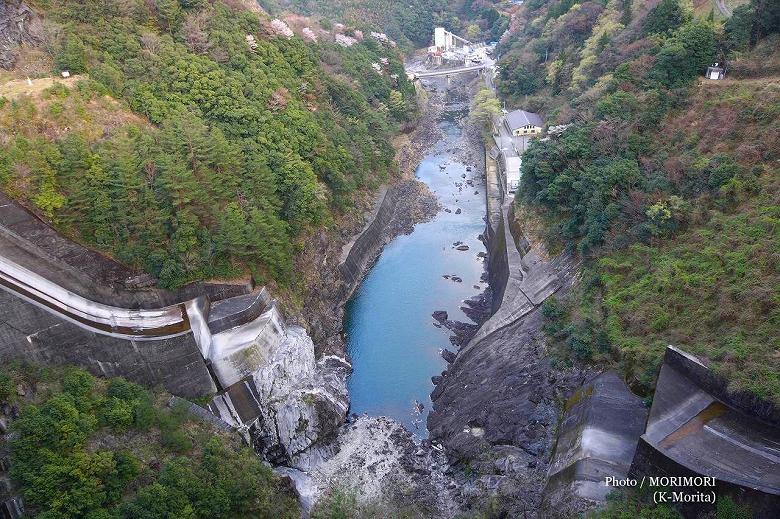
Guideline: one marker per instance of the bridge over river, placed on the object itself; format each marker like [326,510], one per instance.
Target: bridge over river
[462,55]
[420,74]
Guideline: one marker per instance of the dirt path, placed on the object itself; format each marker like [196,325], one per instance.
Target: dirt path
[19,87]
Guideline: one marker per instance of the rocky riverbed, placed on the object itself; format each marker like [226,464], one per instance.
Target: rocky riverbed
[495,406]
[377,458]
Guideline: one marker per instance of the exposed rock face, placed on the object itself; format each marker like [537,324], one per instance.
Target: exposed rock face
[18,25]
[303,402]
[290,401]
[496,406]
[496,411]
[388,467]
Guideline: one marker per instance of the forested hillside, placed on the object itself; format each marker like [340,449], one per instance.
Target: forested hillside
[226,141]
[409,23]
[109,449]
[666,184]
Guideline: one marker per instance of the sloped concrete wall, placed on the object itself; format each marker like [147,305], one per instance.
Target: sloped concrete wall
[31,334]
[697,427]
[360,252]
[498,262]
[597,438]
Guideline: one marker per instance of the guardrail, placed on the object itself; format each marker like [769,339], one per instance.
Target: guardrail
[461,70]
[153,324]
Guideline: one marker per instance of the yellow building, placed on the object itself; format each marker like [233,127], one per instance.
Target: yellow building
[521,123]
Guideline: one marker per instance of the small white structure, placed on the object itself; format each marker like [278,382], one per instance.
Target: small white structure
[440,38]
[716,72]
[65,73]
[512,165]
[446,41]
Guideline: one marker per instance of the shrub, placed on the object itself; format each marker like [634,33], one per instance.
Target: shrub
[72,55]
[665,17]
[63,475]
[6,386]
[175,440]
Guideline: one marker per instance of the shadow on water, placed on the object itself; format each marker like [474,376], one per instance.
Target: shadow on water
[391,337]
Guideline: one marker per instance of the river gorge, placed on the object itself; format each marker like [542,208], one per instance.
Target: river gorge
[394,343]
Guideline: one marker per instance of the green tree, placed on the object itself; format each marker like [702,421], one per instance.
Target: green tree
[169,13]
[625,16]
[766,19]
[666,17]
[685,55]
[485,108]
[72,55]
[397,104]
[518,79]
[737,29]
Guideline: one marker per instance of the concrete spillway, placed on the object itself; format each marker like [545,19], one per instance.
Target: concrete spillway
[117,322]
[61,303]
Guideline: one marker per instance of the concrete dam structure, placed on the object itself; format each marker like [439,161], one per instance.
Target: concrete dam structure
[176,345]
[697,427]
[61,303]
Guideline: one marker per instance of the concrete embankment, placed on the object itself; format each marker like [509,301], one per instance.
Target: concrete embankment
[698,427]
[496,406]
[357,255]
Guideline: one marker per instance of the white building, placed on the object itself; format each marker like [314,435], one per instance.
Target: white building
[512,134]
[512,165]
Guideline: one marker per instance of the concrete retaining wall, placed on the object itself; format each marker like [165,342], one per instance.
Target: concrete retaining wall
[596,438]
[697,427]
[498,263]
[359,253]
[31,334]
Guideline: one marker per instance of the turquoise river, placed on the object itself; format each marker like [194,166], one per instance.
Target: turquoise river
[392,340]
